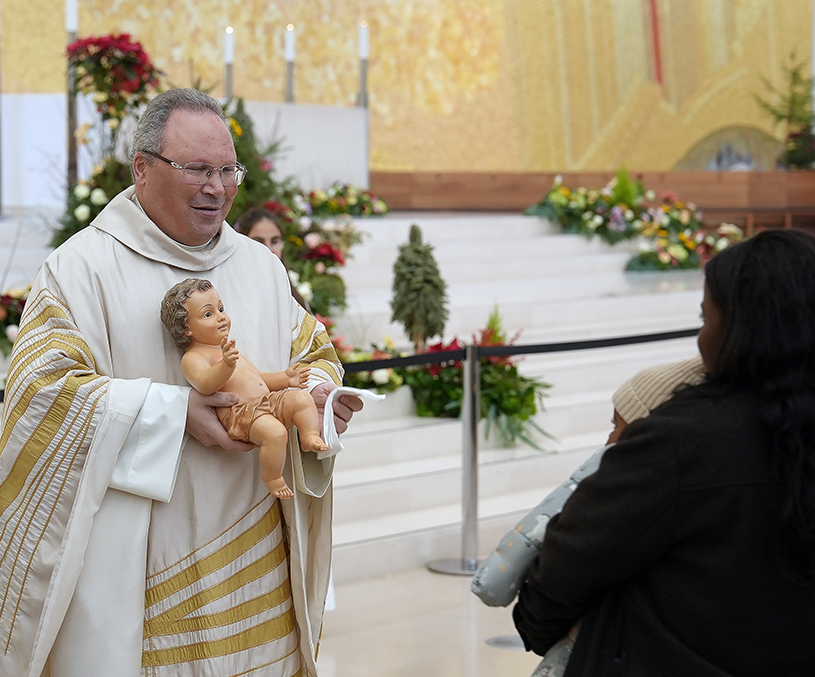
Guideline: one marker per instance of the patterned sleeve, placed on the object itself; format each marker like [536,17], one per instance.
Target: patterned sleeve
[54,400]
[312,345]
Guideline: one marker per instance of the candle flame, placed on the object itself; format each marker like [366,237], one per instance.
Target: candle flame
[290,27]
[364,24]
[229,29]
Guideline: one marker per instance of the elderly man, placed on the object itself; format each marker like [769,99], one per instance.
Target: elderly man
[135,537]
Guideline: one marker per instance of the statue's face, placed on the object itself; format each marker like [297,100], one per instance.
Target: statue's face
[189,214]
[207,322]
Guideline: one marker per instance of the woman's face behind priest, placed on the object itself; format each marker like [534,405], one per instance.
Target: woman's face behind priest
[187,213]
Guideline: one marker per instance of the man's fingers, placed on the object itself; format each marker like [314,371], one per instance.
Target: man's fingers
[221,399]
[351,403]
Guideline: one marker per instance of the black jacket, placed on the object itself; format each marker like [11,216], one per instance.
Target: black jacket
[673,557]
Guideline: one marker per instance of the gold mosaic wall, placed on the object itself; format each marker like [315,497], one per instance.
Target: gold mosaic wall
[464,85]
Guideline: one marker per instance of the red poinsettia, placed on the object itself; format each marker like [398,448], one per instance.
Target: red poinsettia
[116,67]
[435,369]
[326,252]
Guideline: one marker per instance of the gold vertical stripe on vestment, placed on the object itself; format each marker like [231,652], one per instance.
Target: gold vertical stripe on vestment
[42,436]
[263,633]
[76,446]
[216,560]
[170,621]
[329,368]
[304,337]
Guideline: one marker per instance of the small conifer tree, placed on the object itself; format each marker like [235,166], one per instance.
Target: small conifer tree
[419,293]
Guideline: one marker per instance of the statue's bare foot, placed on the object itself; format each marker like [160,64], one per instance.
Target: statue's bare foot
[312,442]
[278,487]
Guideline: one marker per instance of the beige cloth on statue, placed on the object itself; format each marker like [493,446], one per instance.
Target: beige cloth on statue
[185,552]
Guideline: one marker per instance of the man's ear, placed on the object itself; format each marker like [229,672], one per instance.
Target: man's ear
[139,167]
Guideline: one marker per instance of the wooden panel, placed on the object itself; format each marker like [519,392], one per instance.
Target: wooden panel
[516,191]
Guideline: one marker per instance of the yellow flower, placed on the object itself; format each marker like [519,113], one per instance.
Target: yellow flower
[81,134]
[690,244]
[296,240]
[235,127]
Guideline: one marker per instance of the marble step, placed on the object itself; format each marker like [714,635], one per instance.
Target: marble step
[385,543]
[513,265]
[437,227]
[556,320]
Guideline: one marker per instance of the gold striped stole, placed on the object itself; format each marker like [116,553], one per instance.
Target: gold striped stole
[52,405]
[230,596]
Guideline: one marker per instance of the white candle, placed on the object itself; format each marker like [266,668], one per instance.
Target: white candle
[71,16]
[364,47]
[229,46]
[289,43]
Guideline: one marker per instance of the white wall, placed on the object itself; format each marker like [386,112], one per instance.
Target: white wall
[324,144]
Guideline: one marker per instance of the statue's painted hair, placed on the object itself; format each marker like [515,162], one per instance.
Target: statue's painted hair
[173,312]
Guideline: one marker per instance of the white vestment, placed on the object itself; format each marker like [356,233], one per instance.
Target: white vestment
[126,547]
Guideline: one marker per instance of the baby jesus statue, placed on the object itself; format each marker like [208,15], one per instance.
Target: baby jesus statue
[270,403]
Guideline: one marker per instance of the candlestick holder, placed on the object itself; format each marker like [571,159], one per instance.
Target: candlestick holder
[362,97]
[290,82]
[228,80]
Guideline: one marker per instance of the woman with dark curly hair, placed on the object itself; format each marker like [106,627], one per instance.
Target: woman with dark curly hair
[691,551]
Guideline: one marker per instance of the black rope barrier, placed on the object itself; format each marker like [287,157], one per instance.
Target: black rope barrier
[496,351]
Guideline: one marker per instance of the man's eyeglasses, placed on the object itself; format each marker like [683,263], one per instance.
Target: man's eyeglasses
[199,173]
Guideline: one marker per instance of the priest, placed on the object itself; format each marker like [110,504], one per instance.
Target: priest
[136,538]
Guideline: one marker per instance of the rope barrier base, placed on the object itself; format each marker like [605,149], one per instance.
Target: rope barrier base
[460,567]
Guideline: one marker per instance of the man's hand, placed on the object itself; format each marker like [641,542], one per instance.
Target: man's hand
[205,426]
[344,405]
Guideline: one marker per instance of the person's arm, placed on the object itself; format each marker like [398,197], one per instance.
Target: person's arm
[312,346]
[617,522]
[294,377]
[205,378]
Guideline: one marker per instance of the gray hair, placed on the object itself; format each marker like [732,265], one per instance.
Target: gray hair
[174,313]
[149,134]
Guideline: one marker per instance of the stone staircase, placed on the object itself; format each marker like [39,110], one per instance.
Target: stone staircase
[398,483]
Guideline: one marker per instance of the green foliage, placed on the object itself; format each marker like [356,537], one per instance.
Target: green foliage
[87,198]
[509,400]
[792,109]
[613,213]
[259,186]
[12,304]
[419,292]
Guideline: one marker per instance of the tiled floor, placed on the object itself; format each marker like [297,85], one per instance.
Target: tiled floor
[417,623]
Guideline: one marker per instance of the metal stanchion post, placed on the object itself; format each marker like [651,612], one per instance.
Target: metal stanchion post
[470,406]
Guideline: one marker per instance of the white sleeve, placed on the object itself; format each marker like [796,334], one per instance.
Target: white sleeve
[148,461]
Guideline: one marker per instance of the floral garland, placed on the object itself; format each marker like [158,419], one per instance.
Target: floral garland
[341,198]
[674,236]
[612,213]
[687,249]
[116,70]
[12,304]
